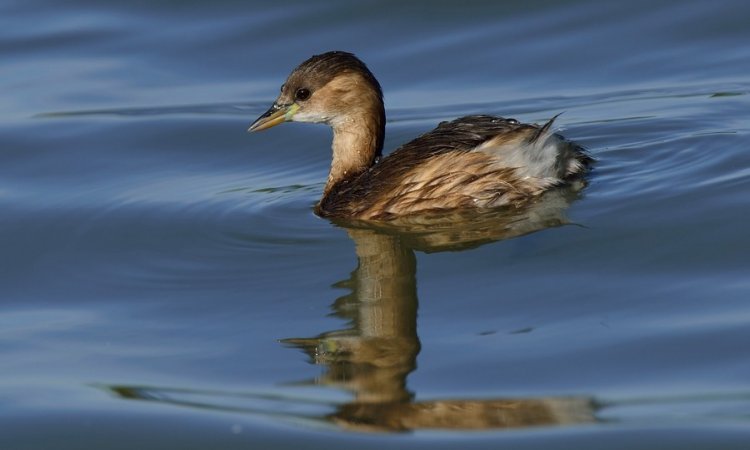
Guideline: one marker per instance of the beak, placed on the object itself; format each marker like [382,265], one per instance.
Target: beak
[275,115]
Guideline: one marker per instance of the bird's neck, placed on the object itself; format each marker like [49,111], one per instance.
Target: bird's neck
[357,143]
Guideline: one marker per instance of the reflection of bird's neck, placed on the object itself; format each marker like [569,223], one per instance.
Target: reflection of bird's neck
[386,345]
[385,287]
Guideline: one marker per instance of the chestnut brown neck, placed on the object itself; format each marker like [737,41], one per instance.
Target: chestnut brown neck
[357,143]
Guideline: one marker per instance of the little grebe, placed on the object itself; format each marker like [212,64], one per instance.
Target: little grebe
[471,162]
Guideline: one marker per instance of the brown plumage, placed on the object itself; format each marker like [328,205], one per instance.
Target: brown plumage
[471,162]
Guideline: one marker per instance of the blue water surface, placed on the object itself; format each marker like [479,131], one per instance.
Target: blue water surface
[164,282]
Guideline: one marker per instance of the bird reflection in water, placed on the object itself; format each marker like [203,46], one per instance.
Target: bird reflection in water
[373,358]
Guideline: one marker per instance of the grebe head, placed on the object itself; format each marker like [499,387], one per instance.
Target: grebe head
[335,88]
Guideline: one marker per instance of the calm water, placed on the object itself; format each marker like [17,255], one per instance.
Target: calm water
[165,284]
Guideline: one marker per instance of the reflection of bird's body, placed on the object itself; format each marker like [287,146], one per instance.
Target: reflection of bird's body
[471,162]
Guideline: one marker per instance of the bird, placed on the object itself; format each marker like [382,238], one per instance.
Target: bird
[476,162]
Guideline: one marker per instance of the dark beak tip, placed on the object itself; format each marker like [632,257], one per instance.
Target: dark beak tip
[270,118]
[257,123]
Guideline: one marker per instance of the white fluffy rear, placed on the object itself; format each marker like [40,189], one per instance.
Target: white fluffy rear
[546,158]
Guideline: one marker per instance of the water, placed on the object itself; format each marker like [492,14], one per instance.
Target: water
[165,284]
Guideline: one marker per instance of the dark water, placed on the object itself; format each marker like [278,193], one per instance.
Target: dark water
[165,284]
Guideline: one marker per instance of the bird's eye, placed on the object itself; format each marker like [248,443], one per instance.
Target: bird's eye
[282,87]
[302,94]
